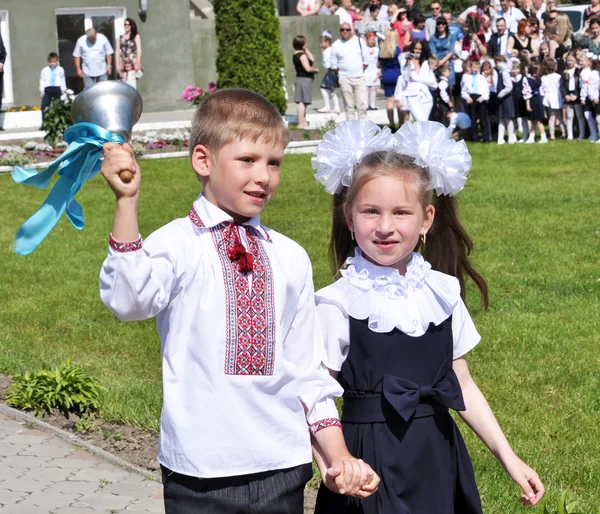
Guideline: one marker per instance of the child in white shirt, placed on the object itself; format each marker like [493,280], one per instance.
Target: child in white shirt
[476,93]
[589,93]
[243,382]
[52,81]
[552,90]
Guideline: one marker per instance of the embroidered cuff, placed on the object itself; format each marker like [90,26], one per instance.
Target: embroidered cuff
[325,423]
[117,246]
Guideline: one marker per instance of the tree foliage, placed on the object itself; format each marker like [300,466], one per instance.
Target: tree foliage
[249,55]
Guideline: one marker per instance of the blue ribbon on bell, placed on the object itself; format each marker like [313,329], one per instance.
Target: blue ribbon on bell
[79,163]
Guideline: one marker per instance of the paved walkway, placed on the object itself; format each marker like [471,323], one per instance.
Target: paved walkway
[42,474]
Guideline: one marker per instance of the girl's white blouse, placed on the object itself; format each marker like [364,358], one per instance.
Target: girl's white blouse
[215,424]
[389,300]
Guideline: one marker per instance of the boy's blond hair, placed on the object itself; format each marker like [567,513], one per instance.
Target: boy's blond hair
[230,114]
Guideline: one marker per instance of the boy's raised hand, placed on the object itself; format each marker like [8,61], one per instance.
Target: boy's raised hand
[352,477]
[118,158]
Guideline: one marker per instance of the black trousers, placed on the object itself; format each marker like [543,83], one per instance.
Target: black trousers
[478,111]
[1,87]
[270,492]
[49,93]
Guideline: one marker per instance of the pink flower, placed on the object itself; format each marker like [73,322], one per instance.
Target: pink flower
[212,87]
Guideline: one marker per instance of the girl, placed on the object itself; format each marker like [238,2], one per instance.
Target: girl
[370,56]
[517,93]
[416,79]
[506,104]
[389,64]
[573,106]
[588,79]
[399,22]
[396,331]
[520,43]
[305,74]
[330,80]
[552,90]
[535,106]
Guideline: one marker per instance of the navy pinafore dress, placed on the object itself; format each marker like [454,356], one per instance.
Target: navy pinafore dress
[398,390]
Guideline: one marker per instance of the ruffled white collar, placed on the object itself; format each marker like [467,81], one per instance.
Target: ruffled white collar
[389,300]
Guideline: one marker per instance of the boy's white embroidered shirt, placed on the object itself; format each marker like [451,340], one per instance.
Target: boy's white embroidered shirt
[391,301]
[214,422]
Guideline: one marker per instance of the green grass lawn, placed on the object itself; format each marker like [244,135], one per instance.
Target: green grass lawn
[533,213]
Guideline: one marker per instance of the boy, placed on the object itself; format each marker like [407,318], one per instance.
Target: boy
[476,92]
[52,81]
[241,347]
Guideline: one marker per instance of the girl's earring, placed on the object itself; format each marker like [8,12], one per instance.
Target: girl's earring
[352,234]
[424,238]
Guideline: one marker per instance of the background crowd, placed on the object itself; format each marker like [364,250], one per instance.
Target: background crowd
[501,69]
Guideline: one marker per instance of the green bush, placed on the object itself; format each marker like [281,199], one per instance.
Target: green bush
[248,55]
[67,388]
[57,117]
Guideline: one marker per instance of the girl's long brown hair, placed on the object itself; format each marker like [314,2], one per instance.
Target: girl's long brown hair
[448,247]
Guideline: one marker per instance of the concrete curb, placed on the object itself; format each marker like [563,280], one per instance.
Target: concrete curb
[294,147]
[30,419]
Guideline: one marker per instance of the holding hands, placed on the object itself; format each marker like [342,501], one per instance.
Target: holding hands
[352,477]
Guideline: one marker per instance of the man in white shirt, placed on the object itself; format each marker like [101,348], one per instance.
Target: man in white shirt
[347,62]
[539,8]
[342,12]
[93,57]
[512,16]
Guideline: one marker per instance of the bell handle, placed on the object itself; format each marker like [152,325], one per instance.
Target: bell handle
[125,176]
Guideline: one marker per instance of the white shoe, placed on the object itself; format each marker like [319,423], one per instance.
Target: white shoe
[598,142]
[501,142]
[324,109]
[337,110]
[530,140]
[521,141]
[543,140]
[569,139]
[512,140]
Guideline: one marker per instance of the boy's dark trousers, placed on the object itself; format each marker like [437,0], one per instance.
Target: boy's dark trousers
[478,111]
[50,92]
[269,492]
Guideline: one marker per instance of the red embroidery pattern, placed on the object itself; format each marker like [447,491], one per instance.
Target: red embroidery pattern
[250,314]
[325,423]
[125,247]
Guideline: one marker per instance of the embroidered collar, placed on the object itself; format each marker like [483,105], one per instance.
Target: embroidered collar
[207,215]
[390,300]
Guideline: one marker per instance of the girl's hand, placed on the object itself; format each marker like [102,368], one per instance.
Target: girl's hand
[352,477]
[527,479]
[529,109]
[119,158]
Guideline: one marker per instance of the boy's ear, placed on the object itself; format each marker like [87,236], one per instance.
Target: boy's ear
[201,161]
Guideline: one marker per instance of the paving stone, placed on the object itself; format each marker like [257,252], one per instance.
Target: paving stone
[96,475]
[23,509]
[137,490]
[26,438]
[48,449]
[7,449]
[68,487]
[72,510]
[25,486]
[106,501]
[19,462]
[9,497]
[6,473]
[50,501]
[72,463]
[45,474]
[153,506]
